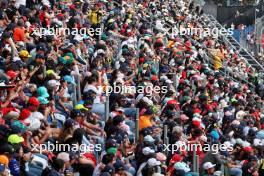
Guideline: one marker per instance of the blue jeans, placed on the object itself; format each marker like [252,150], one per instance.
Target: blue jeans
[99,108]
[235,172]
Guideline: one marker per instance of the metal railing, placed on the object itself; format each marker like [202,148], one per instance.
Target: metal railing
[243,53]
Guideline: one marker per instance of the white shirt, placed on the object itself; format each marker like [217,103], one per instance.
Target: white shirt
[18,3]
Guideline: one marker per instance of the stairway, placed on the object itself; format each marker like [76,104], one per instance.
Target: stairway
[242,52]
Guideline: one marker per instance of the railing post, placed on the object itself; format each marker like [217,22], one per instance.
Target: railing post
[106,108]
[44,71]
[137,125]
[195,161]
[166,139]
[175,81]
[78,87]
[74,95]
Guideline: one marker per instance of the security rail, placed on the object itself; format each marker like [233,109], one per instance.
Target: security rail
[242,52]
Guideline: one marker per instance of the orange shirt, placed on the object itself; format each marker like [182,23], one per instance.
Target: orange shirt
[144,122]
[19,34]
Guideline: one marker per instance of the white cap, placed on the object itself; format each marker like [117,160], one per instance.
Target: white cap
[64,156]
[53,83]
[147,151]
[153,162]
[208,165]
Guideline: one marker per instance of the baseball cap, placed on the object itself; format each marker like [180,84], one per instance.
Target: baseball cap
[76,113]
[111,150]
[25,113]
[109,169]
[215,135]
[147,151]
[15,139]
[80,107]
[64,156]
[24,54]
[43,92]
[33,101]
[11,74]
[11,115]
[208,165]
[51,72]
[119,165]
[153,162]
[69,123]
[4,160]
[7,148]
[53,83]
[182,166]
[17,127]
[149,138]
[43,100]
[176,158]
[69,79]
[41,46]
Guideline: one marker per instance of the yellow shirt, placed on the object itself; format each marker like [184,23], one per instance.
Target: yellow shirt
[95,16]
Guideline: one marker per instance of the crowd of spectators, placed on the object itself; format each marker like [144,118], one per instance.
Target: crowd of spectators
[55,86]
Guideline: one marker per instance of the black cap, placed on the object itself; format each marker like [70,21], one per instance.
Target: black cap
[41,56]
[69,123]
[109,169]
[119,166]
[41,47]
[145,131]
[76,113]
[110,143]
[7,148]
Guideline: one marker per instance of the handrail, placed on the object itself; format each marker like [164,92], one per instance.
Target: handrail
[239,46]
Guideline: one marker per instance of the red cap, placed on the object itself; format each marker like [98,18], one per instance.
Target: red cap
[171,102]
[176,158]
[154,78]
[196,123]
[141,60]
[7,110]
[25,113]
[197,111]
[248,149]
[33,101]
[72,6]
[11,74]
